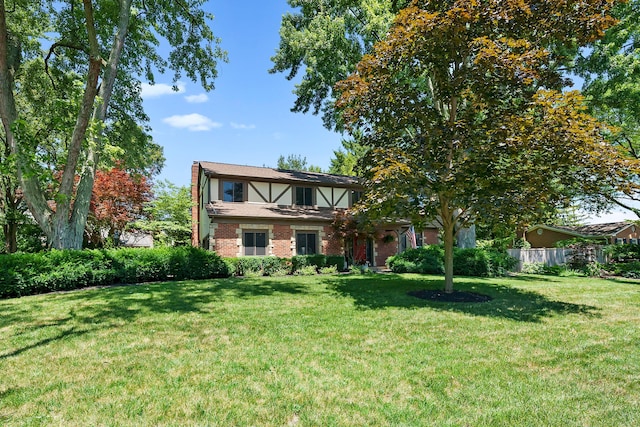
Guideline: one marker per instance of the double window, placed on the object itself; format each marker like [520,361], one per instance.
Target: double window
[255,243]
[306,244]
[232,191]
[304,196]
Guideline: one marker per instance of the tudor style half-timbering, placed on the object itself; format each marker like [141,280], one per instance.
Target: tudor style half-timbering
[248,211]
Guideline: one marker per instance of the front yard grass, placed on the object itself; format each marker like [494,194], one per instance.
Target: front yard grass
[325,350]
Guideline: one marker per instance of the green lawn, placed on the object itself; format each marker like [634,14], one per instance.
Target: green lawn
[325,351]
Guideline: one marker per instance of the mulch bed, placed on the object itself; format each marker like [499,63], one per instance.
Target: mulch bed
[456,296]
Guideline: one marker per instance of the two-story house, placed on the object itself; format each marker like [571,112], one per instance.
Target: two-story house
[248,211]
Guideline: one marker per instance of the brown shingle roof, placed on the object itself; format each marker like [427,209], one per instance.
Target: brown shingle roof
[280,175]
[268,211]
[593,230]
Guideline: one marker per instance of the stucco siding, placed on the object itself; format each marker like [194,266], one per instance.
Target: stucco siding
[324,197]
[213,189]
[281,194]
[341,198]
[258,192]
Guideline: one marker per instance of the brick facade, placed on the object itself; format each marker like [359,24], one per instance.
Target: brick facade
[383,250]
[430,236]
[195,211]
[225,240]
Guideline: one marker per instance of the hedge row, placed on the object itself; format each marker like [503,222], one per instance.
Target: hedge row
[274,266]
[466,262]
[34,273]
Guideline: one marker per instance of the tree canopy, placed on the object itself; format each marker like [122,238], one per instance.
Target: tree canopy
[168,215]
[462,107]
[118,199]
[296,162]
[70,79]
[345,160]
[324,40]
[611,71]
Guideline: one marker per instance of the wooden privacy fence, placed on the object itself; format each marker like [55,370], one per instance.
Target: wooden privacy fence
[549,256]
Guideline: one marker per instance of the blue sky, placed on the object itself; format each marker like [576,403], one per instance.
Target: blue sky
[246,119]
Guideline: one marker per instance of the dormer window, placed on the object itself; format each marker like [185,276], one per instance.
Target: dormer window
[304,196]
[232,191]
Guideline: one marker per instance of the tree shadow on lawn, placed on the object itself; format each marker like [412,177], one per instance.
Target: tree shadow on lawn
[127,302]
[106,307]
[390,290]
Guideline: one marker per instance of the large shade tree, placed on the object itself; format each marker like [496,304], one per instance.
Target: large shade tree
[462,107]
[611,71]
[70,76]
[322,41]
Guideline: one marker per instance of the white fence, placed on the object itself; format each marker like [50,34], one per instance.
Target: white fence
[548,256]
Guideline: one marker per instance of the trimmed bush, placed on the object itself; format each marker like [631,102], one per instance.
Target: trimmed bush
[466,262]
[28,274]
[337,261]
[424,260]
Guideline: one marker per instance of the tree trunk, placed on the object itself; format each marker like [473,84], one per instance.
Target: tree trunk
[10,237]
[78,220]
[448,231]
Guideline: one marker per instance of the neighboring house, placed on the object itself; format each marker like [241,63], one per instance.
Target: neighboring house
[247,211]
[546,236]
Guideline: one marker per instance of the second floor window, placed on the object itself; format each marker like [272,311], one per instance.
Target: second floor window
[304,196]
[355,196]
[232,191]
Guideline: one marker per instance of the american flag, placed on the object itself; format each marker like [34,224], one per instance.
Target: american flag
[411,234]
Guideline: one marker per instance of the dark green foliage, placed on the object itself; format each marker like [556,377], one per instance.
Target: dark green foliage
[318,260]
[627,269]
[27,274]
[337,261]
[263,266]
[466,262]
[623,253]
[248,265]
[426,260]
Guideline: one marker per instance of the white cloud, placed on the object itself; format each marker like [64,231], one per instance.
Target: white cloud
[193,122]
[242,126]
[197,99]
[160,89]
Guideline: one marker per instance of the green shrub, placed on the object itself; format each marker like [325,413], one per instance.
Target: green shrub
[472,262]
[307,270]
[274,266]
[466,262]
[330,269]
[628,269]
[534,268]
[248,266]
[425,260]
[623,253]
[337,261]
[300,261]
[28,274]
